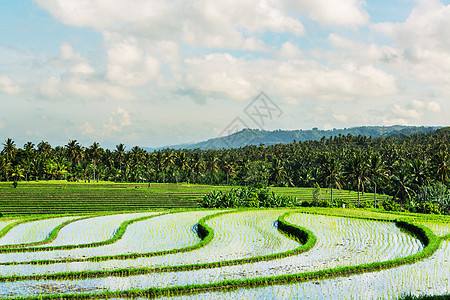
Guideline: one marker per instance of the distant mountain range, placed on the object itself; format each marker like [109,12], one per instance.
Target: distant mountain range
[257,137]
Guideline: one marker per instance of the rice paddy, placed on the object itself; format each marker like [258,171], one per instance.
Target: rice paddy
[246,253]
[285,253]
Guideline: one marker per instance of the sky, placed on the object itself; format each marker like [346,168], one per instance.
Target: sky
[151,73]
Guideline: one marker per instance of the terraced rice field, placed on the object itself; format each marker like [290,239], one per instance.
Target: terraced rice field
[36,198]
[228,254]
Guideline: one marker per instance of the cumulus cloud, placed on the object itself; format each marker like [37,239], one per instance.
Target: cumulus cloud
[199,22]
[340,117]
[416,109]
[289,51]
[332,12]
[129,65]
[434,107]
[423,44]
[67,52]
[118,120]
[82,68]
[240,78]
[8,86]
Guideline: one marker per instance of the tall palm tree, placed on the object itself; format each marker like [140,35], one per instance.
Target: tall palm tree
[120,152]
[442,165]
[376,171]
[159,158]
[74,151]
[9,149]
[182,162]
[330,172]
[95,153]
[419,172]
[403,182]
[356,172]
[44,149]
[197,165]
[227,166]
[212,165]
[277,171]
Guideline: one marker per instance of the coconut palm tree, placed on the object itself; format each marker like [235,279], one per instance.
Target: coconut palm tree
[9,149]
[330,172]
[376,171]
[95,153]
[277,171]
[356,172]
[403,182]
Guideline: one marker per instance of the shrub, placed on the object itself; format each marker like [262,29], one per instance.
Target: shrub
[390,205]
[247,197]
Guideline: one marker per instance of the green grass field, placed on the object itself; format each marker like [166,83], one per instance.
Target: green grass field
[61,197]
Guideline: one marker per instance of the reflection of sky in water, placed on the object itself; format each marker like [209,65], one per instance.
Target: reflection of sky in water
[251,234]
[353,241]
[31,232]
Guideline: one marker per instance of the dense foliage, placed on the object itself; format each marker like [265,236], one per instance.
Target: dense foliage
[247,197]
[408,167]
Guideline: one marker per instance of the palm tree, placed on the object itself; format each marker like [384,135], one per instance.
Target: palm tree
[74,151]
[419,172]
[169,160]
[376,172]
[277,171]
[197,165]
[29,147]
[227,166]
[182,162]
[403,182]
[159,158]
[17,173]
[120,152]
[330,172]
[9,149]
[442,164]
[356,171]
[44,149]
[95,154]
[212,165]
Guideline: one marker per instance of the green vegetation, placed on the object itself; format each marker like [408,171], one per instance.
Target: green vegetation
[402,166]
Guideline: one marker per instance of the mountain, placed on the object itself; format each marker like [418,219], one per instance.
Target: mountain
[256,137]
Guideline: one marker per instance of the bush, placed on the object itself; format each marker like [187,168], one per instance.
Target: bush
[390,205]
[15,183]
[247,197]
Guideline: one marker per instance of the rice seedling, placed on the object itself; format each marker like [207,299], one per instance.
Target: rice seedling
[248,257]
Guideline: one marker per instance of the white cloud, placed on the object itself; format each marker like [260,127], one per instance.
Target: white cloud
[8,86]
[2,124]
[416,109]
[340,117]
[434,107]
[406,113]
[118,120]
[289,51]
[86,128]
[67,53]
[51,88]
[423,44]
[129,65]
[332,12]
[82,68]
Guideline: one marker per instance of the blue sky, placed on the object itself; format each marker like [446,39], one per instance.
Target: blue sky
[158,72]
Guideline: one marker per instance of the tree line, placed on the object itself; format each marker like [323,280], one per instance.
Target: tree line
[404,166]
